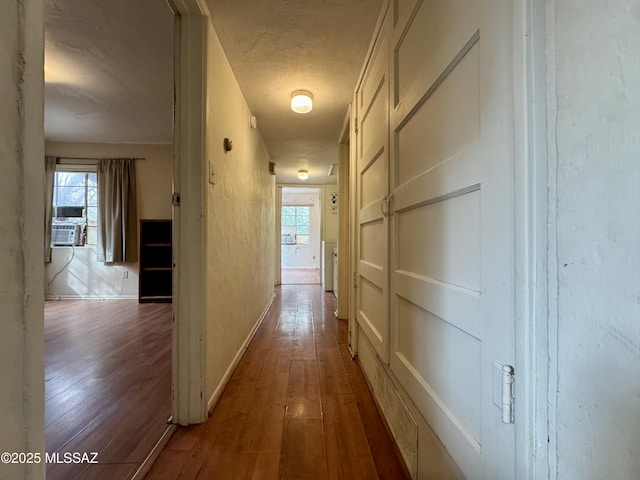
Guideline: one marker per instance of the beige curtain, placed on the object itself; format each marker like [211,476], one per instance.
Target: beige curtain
[49,177]
[117,215]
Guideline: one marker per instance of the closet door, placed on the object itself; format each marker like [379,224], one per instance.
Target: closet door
[372,188]
[451,233]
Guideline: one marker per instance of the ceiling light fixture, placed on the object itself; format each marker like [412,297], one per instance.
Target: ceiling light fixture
[303,174]
[301,101]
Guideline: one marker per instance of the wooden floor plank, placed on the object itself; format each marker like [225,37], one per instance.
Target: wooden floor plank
[107,383]
[348,452]
[303,450]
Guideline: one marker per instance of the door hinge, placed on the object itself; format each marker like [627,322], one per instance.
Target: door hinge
[355,121]
[355,279]
[507,394]
[175,199]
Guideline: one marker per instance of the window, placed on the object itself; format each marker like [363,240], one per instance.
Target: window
[74,188]
[295,225]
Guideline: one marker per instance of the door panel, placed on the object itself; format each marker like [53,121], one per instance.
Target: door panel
[451,229]
[444,125]
[422,336]
[372,186]
[440,241]
[374,180]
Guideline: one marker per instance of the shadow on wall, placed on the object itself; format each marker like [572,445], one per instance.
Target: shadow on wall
[75,273]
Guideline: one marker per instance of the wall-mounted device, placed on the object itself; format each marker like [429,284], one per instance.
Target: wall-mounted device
[66,234]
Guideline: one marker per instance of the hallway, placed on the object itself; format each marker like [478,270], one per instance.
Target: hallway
[296,407]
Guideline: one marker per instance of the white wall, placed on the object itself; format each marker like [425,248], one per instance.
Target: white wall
[84,276]
[304,256]
[21,249]
[596,75]
[330,213]
[239,218]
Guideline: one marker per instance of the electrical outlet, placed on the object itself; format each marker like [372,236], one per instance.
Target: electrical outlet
[125,274]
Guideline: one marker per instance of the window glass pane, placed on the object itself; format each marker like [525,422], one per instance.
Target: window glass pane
[288,210]
[92,179]
[70,179]
[70,196]
[303,220]
[92,196]
[288,220]
[92,215]
[303,229]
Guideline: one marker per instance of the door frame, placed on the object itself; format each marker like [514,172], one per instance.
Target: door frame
[278,220]
[188,349]
[344,219]
[535,347]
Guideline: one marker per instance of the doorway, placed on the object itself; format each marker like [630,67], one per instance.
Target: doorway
[108,359]
[300,220]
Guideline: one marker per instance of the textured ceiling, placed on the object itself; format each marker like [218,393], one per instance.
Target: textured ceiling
[109,73]
[278,46]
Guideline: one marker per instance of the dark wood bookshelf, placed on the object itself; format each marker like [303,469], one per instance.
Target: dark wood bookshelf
[156,261]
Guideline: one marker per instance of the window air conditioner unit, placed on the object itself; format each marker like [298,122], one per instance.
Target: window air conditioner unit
[65,234]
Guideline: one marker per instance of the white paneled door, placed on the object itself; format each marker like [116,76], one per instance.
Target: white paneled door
[372,186]
[435,213]
[451,226]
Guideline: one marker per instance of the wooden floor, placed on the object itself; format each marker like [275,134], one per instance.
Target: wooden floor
[297,407]
[300,276]
[107,384]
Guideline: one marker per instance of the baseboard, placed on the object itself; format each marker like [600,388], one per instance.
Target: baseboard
[232,367]
[150,459]
[50,297]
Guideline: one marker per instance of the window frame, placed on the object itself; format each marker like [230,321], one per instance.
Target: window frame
[89,227]
[298,237]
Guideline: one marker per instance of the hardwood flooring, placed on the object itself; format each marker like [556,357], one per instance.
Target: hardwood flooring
[297,407]
[107,384]
[299,276]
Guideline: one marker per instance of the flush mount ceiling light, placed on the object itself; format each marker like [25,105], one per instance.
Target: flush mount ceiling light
[301,101]
[303,174]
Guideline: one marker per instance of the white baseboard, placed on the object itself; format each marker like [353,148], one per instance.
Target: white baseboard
[155,452]
[227,375]
[89,297]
